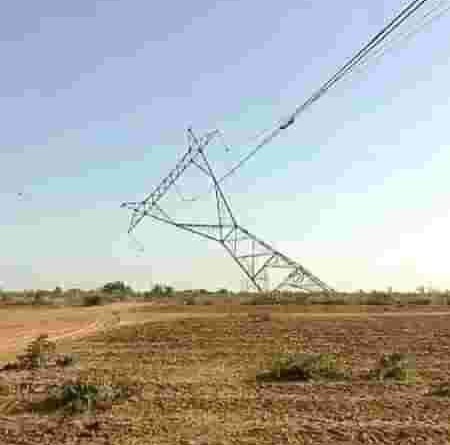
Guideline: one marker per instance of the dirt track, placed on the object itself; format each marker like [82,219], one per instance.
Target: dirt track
[20,325]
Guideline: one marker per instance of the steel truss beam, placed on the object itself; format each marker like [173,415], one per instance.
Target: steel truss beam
[256,258]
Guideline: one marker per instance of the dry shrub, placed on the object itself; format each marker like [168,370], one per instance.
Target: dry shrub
[420,301]
[380,299]
[262,299]
[440,390]
[93,300]
[396,366]
[83,396]
[37,354]
[40,353]
[305,367]
[65,360]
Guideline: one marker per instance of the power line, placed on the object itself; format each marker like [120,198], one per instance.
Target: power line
[439,11]
[356,68]
[435,13]
[348,67]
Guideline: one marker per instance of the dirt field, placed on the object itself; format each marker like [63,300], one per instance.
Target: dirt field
[195,368]
[22,323]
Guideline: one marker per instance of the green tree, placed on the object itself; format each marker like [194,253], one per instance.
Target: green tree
[157,289]
[116,287]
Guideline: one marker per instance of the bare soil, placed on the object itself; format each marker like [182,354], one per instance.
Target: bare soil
[196,371]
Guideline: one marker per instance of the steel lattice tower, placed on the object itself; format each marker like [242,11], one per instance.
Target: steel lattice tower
[256,258]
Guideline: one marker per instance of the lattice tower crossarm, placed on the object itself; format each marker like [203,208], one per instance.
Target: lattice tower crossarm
[256,259]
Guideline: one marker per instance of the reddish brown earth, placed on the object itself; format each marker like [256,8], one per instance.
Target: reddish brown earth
[20,324]
[197,382]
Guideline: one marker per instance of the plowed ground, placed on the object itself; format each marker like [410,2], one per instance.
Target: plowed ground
[197,384]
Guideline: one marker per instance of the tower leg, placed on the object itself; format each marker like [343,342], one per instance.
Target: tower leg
[268,269]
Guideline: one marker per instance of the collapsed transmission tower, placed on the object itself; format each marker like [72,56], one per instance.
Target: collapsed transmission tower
[255,257]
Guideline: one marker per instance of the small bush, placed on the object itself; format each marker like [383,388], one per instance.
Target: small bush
[263,299]
[441,390]
[78,397]
[65,360]
[70,397]
[304,367]
[39,299]
[92,300]
[380,299]
[334,301]
[398,367]
[116,287]
[189,301]
[37,353]
[420,301]
[279,299]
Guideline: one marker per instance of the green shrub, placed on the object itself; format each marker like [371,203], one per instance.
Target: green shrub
[397,366]
[440,390]
[116,287]
[78,397]
[304,367]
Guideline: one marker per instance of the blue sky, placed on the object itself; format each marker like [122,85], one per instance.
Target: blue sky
[96,97]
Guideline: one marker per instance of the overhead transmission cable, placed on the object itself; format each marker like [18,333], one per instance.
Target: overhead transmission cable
[361,60]
[372,51]
[345,69]
[387,47]
[435,13]
[439,10]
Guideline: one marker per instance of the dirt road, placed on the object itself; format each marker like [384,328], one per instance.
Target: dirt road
[20,325]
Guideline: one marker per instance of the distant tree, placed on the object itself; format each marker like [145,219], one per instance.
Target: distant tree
[223,291]
[116,287]
[39,297]
[169,290]
[160,290]
[147,294]
[58,290]
[157,289]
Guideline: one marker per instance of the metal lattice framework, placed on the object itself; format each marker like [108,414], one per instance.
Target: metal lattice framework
[257,259]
